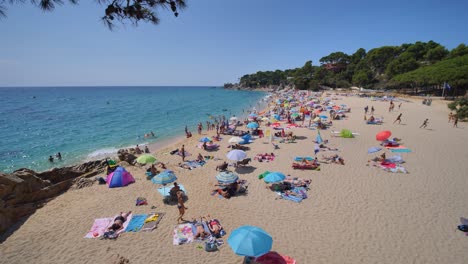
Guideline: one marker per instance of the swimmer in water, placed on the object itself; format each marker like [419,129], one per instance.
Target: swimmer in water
[51,159]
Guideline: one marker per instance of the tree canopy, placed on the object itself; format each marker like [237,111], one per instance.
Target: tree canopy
[419,63]
[133,11]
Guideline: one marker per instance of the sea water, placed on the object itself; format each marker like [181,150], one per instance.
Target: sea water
[85,123]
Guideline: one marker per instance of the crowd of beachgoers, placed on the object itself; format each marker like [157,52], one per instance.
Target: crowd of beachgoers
[229,187]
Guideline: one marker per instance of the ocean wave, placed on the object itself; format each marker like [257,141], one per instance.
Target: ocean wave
[100,153]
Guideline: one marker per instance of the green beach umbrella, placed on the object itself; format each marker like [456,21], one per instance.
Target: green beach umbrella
[146,158]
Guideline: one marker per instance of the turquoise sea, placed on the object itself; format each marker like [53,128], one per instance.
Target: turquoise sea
[85,123]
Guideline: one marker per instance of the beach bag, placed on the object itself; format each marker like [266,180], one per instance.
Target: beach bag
[110,235]
[210,246]
[463,228]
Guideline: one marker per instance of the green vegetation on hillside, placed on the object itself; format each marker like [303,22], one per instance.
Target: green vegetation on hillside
[421,64]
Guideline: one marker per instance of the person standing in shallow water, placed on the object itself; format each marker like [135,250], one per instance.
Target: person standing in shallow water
[51,159]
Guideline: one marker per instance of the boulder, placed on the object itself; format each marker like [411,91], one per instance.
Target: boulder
[125,155]
[25,190]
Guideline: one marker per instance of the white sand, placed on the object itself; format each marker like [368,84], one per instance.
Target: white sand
[354,213]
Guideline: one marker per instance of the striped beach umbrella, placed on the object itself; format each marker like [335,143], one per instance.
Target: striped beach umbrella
[227,177]
[165,177]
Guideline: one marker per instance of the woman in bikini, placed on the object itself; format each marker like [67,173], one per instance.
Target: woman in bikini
[201,233]
[215,227]
[119,221]
[180,206]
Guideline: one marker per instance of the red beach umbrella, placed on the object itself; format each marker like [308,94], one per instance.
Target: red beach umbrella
[383,135]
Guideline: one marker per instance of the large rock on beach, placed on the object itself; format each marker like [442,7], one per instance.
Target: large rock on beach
[126,155]
[25,190]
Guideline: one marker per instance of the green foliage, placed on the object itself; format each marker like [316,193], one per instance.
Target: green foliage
[420,63]
[132,11]
[460,106]
[461,50]
[454,71]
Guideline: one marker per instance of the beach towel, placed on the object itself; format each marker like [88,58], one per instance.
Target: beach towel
[186,154]
[301,158]
[183,234]
[291,198]
[99,227]
[152,221]
[136,223]
[301,191]
[400,150]
[164,191]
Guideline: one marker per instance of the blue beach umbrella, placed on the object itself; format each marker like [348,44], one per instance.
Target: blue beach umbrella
[252,125]
[205,139]
[277,117]
[227,177]
[165,177]
[253,115]
[250,241]
[274,177]
[323,116]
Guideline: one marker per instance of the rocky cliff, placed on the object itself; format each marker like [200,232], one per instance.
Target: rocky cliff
[24,190]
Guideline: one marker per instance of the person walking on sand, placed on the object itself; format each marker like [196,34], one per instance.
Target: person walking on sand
[398,119]
[455,121]
[366,109]
[399,106]
[450,117]
[372,110]
[182,152]
[424,123]
[180,206]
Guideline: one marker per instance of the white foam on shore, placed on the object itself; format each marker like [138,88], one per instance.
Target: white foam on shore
[102,153]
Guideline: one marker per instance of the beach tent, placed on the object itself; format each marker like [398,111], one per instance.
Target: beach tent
[119,178]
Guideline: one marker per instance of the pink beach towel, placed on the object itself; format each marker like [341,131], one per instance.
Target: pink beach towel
[99,227]
[183,234]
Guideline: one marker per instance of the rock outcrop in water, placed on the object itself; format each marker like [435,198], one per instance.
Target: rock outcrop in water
[24,190]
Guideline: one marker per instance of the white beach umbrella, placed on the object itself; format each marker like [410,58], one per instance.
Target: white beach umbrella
[236,154]
[235,140]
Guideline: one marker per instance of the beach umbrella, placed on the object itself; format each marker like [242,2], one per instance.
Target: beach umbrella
[274,177]
[252,115]
[317,119]
[205,139]
[246,137]
[146,158]
[227,177]
[318,139]
[373,150]
[250,241]
[236,140]
[252,125]
[277,117]
[383,135]
[323,116]
[294,115]
[236,154]
[165,177]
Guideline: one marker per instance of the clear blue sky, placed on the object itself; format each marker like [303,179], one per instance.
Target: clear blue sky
[212,41]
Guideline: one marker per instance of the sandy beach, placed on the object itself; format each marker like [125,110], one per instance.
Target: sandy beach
[353,214]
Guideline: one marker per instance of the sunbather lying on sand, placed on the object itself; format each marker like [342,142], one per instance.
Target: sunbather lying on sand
[335,159]
[215,227]
[297,181]
[224,192]
[118,221]
[201,233]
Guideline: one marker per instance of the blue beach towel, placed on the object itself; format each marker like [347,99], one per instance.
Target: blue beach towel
[291,198]
[301,158]
[301,191]
[400,150]
[136,223]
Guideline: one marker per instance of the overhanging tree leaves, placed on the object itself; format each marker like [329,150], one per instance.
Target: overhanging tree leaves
[133,11]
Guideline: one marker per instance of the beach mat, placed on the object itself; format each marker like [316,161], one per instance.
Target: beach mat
[136,223]
[400,150]
[183,234]
[152,221]
[99,227]
[291,198]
